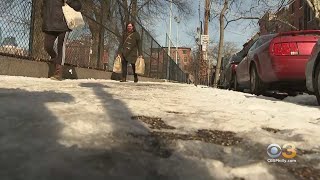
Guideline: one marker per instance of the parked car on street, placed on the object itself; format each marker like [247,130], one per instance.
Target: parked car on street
[221,81]
[277,62]
[229,69]
[313,72]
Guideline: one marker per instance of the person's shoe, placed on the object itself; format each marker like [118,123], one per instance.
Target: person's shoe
[136,79]
[123,80]
[57,73]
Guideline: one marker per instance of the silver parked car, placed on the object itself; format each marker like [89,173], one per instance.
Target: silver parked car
[313,72]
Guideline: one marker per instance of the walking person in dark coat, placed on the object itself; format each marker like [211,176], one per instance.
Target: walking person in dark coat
[55,27]
[130,49]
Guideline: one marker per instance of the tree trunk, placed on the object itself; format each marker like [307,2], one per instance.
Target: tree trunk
[134,8]
[97,31]
[223,11]
[126,13]
[36,36]
[95,36]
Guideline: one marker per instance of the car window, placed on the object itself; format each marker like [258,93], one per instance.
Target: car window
[265,39]
[253,47]
[261,41]
[235,58]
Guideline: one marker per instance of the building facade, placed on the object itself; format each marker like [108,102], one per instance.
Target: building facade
[183,57]
[297,16]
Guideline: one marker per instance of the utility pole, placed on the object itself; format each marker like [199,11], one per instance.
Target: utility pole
[206,17]
[177,18]
[206,32]
[169,50]
[199,32]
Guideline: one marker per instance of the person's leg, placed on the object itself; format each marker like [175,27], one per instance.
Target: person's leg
[61,47]
[49,39]
[124,69]
[134,72]
[60,59]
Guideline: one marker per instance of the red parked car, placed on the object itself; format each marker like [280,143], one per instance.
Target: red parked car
[277,62]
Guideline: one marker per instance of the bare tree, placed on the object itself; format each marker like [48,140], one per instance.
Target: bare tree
[37,49]
[229,48]
[116,13]
[222,22]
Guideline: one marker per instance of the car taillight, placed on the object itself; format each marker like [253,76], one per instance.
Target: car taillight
[234,66]
[285,49]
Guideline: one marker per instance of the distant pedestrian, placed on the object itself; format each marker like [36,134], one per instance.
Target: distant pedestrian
[129,51]
[55,28]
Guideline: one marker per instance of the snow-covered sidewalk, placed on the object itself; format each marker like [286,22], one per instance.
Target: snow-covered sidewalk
[101,129]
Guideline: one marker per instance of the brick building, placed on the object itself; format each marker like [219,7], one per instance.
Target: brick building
[78,53]
[184,57]
[302,16]
[298,14]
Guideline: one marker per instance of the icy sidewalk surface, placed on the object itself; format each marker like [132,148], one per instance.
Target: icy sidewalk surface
[100,129]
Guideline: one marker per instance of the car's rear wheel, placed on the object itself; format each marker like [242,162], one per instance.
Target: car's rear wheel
[256,85]
[317,83]
[235,83]
[231,82]
[225,85]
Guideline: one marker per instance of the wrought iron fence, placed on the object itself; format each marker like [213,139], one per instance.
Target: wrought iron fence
[94,46]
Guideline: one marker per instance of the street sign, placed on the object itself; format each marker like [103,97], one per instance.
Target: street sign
[204,39]
[204,47]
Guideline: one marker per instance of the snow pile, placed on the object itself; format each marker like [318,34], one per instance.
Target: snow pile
[84,129]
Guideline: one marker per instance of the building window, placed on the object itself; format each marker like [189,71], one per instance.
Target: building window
[185,59]
[184,51]
[301,23]
[301,3]
[292,7]
[309,14]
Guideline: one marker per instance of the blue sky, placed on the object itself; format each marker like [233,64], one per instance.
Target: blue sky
[238,32]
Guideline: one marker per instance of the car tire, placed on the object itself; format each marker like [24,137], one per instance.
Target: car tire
[225,84]
[292,93]
[231,82]
[228,85]
[256,85]
[317,83]
[235,83]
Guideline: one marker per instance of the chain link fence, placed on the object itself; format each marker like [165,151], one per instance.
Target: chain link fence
[94,46]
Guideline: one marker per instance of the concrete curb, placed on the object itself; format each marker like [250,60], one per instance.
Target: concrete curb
[22,67]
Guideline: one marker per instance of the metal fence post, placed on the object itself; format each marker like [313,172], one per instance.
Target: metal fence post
[31,28]
[101,36]
[151,59]
[158,63]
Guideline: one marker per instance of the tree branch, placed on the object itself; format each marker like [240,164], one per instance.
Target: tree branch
[147,2]
[285,22]
[240,18]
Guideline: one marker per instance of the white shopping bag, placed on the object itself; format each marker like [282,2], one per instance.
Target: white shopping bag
[140,66]
[73,18]
[117,66]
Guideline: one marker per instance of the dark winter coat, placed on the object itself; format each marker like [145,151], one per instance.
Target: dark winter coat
[53,18]
[131,47]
